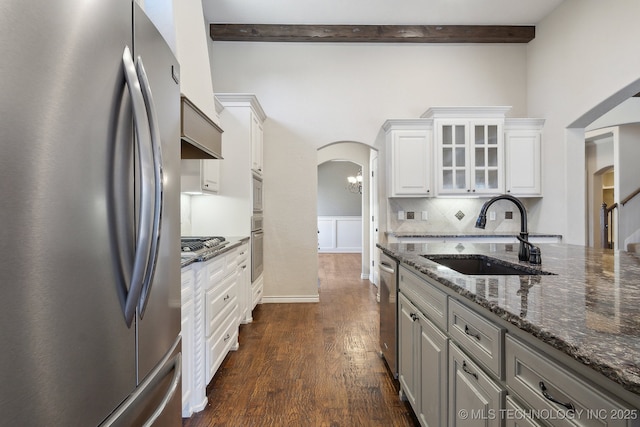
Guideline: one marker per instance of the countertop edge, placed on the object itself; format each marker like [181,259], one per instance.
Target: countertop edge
[610,372]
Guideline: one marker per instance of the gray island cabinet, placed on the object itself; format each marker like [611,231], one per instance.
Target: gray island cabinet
[530,350]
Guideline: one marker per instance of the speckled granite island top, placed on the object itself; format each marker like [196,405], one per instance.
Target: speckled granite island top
[590,308]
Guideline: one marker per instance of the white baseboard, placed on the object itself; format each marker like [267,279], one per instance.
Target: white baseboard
[364,276]
[290,299]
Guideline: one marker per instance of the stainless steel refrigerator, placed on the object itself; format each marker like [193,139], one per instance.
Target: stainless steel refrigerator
[89,216]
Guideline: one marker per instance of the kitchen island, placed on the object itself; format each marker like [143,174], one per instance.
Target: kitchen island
[586,315]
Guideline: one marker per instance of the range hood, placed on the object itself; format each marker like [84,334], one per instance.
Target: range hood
[200,137]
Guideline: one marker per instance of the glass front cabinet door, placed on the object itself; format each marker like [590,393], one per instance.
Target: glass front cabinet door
[470,156]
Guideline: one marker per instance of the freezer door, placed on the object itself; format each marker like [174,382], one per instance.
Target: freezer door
[68,358]
[158,319]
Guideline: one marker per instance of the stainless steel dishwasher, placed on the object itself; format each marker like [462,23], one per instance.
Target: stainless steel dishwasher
[389,311]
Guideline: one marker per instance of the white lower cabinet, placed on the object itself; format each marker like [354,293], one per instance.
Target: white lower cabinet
[474,398]
[210,320]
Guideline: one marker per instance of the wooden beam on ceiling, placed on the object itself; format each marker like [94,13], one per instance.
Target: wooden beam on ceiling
[373,33]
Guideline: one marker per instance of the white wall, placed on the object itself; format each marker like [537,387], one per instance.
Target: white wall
[316,94]
[581,56]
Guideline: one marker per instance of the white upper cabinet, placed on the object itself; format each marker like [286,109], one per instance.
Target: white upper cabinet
[200,176]
[464,151]
[523,149]
[409,158]
[469,149]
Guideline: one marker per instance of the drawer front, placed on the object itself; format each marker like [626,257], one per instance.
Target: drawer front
[218,345]
[219,303]
[430,301]
[231,262]
[472,391]
[243,253]
[478,336]
[215,272]
[528,372]
[515,416]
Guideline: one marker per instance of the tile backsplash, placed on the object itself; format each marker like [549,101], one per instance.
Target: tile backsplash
[448,215]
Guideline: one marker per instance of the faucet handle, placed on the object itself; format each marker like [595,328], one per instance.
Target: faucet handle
[534,256]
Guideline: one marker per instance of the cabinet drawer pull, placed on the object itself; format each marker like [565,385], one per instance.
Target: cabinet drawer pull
[464,368]
[226,338]
[569,405]
[226,298]
[414,316]
[468,332]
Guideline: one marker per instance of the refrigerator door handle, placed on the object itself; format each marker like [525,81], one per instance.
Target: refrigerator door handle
[156,147]
[143,241]
[159,373]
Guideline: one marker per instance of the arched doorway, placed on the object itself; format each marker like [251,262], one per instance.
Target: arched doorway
[362,155]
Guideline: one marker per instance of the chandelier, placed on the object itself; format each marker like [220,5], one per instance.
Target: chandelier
[355,183]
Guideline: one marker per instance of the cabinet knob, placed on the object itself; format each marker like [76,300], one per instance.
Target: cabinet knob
[508,191]
[468,191]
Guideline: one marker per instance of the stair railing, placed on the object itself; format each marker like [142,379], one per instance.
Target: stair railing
[606,218]
[629,197]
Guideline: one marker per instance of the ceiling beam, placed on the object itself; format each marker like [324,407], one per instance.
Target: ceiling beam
[373,33]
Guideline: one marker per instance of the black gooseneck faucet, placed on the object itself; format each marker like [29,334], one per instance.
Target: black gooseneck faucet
[523,252]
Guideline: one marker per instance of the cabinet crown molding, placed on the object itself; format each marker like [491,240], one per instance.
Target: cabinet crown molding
[466,112]
[242,100]
[426,124]
[527,124]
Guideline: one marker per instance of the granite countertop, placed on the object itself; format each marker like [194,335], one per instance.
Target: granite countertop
[234,242]
[465,234]
[590,308]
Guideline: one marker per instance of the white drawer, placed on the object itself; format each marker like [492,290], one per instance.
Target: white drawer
[478,336]
[218,303]
[528,372]
[215,272]
[430,301]
[230,262]
[243,253]
[219,344]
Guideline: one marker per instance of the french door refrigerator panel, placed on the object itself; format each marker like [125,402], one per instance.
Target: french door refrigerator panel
[68,224]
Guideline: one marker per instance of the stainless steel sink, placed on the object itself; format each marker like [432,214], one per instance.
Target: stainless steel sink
[484,265]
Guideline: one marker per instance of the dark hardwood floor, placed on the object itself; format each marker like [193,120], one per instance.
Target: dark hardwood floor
[310,364]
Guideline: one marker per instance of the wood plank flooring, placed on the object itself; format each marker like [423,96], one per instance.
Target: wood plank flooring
[310,364]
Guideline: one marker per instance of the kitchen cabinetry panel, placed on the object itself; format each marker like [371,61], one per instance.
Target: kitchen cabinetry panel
[478,336]
[433,378]
[543,385]
[472,392]
[408,342]
[409,158]
[470,156]
[523,150]
[200,176]
[187,332]
[430,301]
[210,320]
